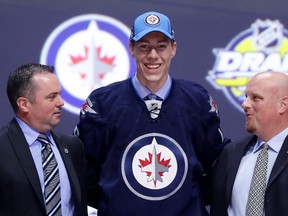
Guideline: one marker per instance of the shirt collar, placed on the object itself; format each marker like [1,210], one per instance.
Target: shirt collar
[142,91]
[30,134]
[275,143]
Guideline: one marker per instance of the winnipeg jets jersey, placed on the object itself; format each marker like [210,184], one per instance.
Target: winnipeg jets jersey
[141,163]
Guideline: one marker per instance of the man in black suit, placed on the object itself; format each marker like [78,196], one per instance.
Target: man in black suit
[34,93]
[266,109]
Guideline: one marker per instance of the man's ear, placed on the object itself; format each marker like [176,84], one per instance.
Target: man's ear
[131,47]
[283,104]
[23,104]
[174,48]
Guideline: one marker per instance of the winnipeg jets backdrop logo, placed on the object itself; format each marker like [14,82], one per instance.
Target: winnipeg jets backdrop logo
[88,52]
[154,166]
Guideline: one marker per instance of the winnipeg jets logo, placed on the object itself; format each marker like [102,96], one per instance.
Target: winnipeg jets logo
[154,166]
[92,65]
[88,52]
[153,160]
[87,107]
[152,19]
[213,105]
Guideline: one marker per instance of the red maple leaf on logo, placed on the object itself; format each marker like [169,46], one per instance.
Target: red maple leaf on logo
[79,58]
[154,168]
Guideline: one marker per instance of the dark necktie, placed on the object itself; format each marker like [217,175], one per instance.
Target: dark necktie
[255,204]
[153,104]
[152,96]
[51,178]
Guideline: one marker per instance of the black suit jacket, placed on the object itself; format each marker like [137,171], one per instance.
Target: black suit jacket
[276,197]
[20,190]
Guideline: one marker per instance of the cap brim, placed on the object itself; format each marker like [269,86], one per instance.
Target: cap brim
[147,31]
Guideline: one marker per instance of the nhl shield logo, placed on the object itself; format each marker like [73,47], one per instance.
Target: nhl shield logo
[88,52]
[267,35]
[154,166]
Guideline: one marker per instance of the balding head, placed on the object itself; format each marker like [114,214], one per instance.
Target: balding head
[276,81]
[266,104]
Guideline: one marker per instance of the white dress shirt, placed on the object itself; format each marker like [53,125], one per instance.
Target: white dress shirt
[67,204]
[243,178]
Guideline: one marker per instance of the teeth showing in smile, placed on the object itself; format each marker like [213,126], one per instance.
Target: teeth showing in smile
[152,66]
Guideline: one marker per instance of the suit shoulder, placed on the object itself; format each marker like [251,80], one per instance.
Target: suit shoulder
[240,143]
[67,138]
[12,128]
[3,130]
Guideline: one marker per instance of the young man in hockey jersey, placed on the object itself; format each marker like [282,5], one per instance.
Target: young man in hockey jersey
[150,139]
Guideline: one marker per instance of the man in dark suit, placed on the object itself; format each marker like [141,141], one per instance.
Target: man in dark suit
[266,109]
[34,93]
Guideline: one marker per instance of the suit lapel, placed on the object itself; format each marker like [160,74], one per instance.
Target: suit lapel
[25,158]
[237,153]
[280,163]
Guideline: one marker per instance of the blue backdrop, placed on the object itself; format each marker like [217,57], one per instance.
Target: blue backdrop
[204,31]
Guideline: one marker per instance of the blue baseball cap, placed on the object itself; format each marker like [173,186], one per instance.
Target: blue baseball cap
[150,22]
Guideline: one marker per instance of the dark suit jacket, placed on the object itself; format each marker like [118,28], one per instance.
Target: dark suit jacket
[20,190]
[276,197]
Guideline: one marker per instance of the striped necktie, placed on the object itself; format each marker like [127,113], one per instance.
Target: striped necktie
[51,178]
[255,204]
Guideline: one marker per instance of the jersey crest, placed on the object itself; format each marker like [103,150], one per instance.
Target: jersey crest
[154,166]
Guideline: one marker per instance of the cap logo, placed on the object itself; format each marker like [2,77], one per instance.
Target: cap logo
[152,19]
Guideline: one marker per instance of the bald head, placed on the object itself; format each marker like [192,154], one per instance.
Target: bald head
[266,104]
[276,81]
